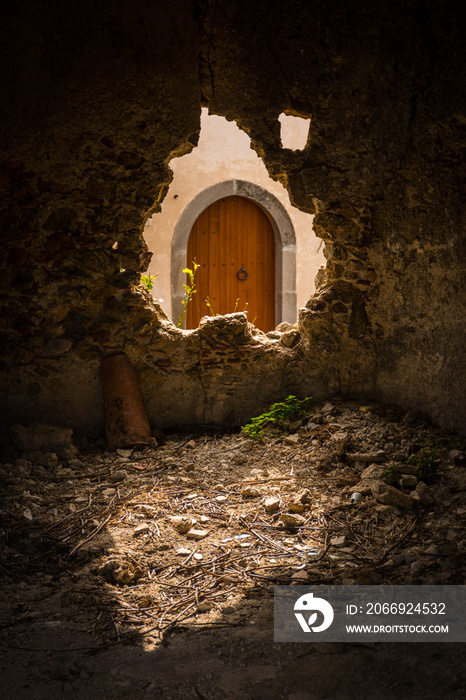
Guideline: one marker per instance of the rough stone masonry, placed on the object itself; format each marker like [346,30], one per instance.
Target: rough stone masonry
[98,98]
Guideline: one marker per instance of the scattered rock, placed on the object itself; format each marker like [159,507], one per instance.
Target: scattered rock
[359,459]
[422,495]
[338,541]
[119,475]
[259,472]
[391,496]
[291,520]
[250,492]
[140,530]
[272,503]
[182,551]
[124,453]
[190,467]
[228,610]
[408,481]
[376,471]
[108,493]
[291,439]
[204,606]
[300,577]
[197,534]
[296,506]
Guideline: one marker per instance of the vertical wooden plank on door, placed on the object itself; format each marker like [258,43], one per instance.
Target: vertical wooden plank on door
[214,259]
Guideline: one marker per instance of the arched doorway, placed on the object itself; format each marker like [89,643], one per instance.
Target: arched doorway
[284,235]
[233,243]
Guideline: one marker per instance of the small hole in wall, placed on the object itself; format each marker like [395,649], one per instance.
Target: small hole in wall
[294,131]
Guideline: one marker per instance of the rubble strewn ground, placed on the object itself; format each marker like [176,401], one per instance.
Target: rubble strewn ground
[149,572]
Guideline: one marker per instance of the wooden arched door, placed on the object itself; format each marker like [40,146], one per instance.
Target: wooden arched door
[233,243]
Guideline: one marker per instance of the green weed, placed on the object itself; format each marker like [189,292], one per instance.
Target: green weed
[148,281]
[289,409]
[426,460]
[189,290]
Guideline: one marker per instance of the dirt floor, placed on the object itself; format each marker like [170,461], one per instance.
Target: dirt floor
[149,572]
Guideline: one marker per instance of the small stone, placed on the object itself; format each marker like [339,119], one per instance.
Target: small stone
[296,507]
[292,520]
[433,550]
[204,519]
[408,469]
[119,475]
[204,607]
[190,467]
[362,458]
[107,493]
[182,551]
[250,492]
[69,453]
[271,504]
[374,471]
[408,482]
[391,496]
[197,556]
[191,445]
[124,453]
[27,514]
[145,602]
[422,494]
[338,541]
[418,567]
[197,534]
[140,530]
[163,546]
[221,499]
[259,472]
[300,577]
[365,487]
[124,576]
[228,610]
[291,439]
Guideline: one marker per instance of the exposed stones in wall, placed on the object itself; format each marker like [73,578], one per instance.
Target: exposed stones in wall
[85,157]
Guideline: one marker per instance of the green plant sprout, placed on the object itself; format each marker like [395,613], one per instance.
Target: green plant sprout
[426,460]
[209,306]
[291,408]
[148,281]
[190,289]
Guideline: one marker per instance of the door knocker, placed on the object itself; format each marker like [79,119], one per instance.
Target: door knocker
[242,274]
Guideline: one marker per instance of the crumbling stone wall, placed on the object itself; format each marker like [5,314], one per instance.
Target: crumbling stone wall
[98,99]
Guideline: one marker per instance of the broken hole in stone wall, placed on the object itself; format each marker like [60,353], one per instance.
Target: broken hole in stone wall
[215,189]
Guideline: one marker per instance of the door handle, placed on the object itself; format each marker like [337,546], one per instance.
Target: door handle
[242,274]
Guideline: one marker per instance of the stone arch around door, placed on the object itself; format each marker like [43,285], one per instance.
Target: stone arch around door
[285,239]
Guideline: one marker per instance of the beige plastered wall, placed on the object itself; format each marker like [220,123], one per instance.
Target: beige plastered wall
[223,154]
